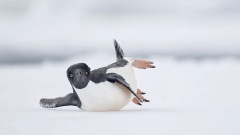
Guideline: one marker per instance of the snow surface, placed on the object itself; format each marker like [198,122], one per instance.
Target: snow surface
[188,97]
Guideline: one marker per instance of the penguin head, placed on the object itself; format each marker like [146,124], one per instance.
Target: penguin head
[79,75]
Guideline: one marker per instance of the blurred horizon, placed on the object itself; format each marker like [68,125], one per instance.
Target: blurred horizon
[32,30]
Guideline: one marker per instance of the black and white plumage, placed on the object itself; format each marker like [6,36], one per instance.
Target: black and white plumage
[108,88]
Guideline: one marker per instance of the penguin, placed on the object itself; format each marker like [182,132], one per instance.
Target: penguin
[108,88]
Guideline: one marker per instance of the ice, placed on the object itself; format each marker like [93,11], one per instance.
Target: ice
[188,97]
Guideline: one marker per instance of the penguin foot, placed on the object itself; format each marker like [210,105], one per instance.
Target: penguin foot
[143,99]
[136,101]
[140,93]
[142,64]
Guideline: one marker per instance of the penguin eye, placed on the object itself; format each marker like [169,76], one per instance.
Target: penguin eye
[86,73]
[71,75]
[81,73]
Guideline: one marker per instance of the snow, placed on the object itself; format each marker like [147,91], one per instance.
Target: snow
[188,97]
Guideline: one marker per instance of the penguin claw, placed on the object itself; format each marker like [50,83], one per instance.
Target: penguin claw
[143,93]
[145,100]
[139,104]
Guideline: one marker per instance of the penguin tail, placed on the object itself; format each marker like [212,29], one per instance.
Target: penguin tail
[119,51]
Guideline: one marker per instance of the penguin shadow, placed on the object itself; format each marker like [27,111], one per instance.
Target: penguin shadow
[63,110]
[140,110]
[153,110]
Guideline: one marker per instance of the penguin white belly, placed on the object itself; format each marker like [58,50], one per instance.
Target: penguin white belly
[107,96]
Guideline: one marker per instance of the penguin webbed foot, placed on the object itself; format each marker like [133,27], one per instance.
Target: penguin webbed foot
[135,101]
[140,93]
[143,64]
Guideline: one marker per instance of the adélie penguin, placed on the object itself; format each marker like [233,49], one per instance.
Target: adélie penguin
[108,88]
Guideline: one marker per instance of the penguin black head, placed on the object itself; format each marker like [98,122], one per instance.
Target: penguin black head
[79,75]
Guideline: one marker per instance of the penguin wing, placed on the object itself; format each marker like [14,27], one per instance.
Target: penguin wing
[69,100]
[113,77]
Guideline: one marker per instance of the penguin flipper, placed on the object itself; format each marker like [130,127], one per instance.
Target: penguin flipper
[119,51]
[69,100]
[142,64]
[113,77]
